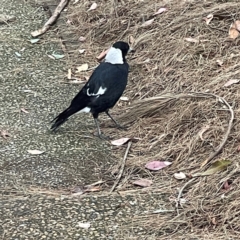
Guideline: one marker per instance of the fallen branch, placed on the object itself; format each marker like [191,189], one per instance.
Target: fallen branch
[122,167]
[52,19]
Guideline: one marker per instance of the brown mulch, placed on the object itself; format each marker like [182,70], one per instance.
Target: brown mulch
[165,70]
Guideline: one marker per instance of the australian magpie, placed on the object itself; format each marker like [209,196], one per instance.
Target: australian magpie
[103,89]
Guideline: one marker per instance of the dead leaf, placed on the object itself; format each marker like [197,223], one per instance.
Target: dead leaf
[93,7]
[131,40]
[160,10]
[77,190]
[84,225]
[93,189]
[202,131]
[209,18]
[76,1]
[143,182]
[52,57]
[124,98]
[102,54]
[83,67]
[214,222]
[237,25]
[219,62]
[157,165]
[238,148]
[193,40]
[82,39]
[234,29]
[81,51]
[69,76]
[226,185]
[35,152]
[120,141]
[5,134]
[179,175]
[147,23]
[231,81]
[214,168]
[24,110]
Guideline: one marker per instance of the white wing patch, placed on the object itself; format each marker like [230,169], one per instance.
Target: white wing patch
[86,110]
[100,91]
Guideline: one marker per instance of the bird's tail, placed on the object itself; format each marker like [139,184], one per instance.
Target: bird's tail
[62,117]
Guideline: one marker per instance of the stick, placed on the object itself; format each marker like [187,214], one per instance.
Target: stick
[122,167]
[221,145]
[52,19]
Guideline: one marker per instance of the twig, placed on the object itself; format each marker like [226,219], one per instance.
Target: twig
[52,19]
[230,123]
[181,192]
[122,167]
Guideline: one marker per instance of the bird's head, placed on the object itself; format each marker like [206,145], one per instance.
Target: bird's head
[117,53]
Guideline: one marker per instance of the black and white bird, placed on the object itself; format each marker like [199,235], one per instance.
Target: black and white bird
[103,89]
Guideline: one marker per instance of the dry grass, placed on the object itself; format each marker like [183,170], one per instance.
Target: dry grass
[169,127]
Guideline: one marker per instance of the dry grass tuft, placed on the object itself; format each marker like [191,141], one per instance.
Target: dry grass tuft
[168,125]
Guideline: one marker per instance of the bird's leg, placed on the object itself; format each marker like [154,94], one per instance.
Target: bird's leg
[117,124]
[100,135]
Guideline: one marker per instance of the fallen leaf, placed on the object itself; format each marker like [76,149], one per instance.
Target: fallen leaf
[93,7]
[76,1]
[131,40]
[179,175]
[5,134]
[214,168]
[82,39]
[24,110]
[83,67]
[234,29]
[120,141]
[194,40]
[237,25]
[226,185]
[124,98]
[102,54]
[202,131]
[69,22]
[34,40]
[93,189]
[18,54]
[147,23]
[143,182]
[69,76]
[214,222]
[81,51]
[209,18]
[7,18]
[35,152]
[51,56]
[231,81]
[58,56]
[84,225]
[238,148]
[219,62]
[157,165]
[76,191]
[160,10]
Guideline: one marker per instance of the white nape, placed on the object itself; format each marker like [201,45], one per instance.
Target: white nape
[100,91]
[114,56]
[86,110]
